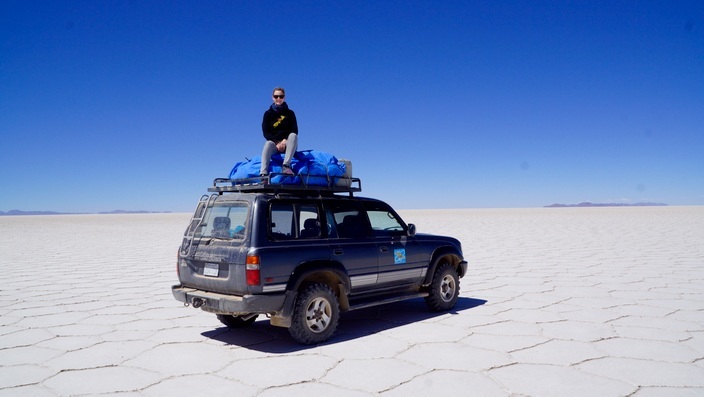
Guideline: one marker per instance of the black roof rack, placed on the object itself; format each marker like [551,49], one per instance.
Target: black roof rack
[264,184]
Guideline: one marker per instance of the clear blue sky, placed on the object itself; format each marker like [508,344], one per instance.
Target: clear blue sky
[135,105]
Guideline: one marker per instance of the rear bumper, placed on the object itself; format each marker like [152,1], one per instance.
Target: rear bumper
[228,304]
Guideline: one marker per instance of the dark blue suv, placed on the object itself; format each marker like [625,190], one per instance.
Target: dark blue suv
[301,255]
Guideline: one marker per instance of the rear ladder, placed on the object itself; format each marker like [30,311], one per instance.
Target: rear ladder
[196,221]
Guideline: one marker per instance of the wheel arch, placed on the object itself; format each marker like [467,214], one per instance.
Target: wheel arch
[448,253]
[330,273]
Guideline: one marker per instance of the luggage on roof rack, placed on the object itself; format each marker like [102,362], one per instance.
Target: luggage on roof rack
[267,184]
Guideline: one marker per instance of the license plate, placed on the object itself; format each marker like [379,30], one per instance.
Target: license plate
[211,269]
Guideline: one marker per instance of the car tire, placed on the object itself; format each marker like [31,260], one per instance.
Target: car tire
[444,289]
[315,315]
[236,321]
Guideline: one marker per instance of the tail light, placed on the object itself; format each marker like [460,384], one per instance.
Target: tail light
[252,270]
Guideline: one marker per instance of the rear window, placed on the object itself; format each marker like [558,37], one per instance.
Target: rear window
[225,221]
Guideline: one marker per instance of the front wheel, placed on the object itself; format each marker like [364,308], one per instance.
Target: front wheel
[315,315]
[445,288]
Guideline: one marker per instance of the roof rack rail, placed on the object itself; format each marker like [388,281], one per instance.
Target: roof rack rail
[265,184]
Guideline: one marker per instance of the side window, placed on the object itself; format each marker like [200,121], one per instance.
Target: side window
[293,221]
[383,221]
[331,224]
[347,221]
[281,222]
[309,222]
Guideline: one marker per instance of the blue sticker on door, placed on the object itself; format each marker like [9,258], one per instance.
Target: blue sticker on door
[400,256]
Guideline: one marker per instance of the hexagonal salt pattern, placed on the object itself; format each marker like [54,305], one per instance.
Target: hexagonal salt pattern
[567,301]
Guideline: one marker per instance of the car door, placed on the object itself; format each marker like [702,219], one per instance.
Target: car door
[352,243]
[402,262]
[294,237]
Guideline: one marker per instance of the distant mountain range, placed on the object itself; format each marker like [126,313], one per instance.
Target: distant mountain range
[588,204]
[20,212]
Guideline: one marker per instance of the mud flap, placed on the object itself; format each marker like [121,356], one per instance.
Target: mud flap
[283,318]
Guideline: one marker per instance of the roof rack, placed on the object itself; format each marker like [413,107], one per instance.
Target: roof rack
[265,184]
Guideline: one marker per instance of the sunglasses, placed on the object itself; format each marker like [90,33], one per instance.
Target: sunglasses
[279,96]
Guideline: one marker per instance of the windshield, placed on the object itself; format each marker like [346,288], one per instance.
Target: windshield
[224,221]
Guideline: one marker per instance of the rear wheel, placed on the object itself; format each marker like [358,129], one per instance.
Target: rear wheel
[237,321]
[315,315]
[445,288]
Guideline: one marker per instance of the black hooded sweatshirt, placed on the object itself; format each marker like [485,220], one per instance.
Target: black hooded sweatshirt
[277,124]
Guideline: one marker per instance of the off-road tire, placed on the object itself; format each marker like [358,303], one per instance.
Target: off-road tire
[315,315]
[445,288]
[236,321]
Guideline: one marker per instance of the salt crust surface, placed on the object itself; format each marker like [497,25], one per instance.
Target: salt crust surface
[557,301]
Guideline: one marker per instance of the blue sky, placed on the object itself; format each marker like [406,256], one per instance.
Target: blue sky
[132,105]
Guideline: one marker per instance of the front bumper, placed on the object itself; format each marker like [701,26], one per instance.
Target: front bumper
[463,268]
[228,304]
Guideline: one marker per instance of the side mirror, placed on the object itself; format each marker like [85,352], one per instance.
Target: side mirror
[411,230]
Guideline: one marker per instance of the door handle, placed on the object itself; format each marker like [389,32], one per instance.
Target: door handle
[337,251]
[384,249]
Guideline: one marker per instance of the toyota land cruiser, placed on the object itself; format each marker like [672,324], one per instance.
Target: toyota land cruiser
[302,254]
